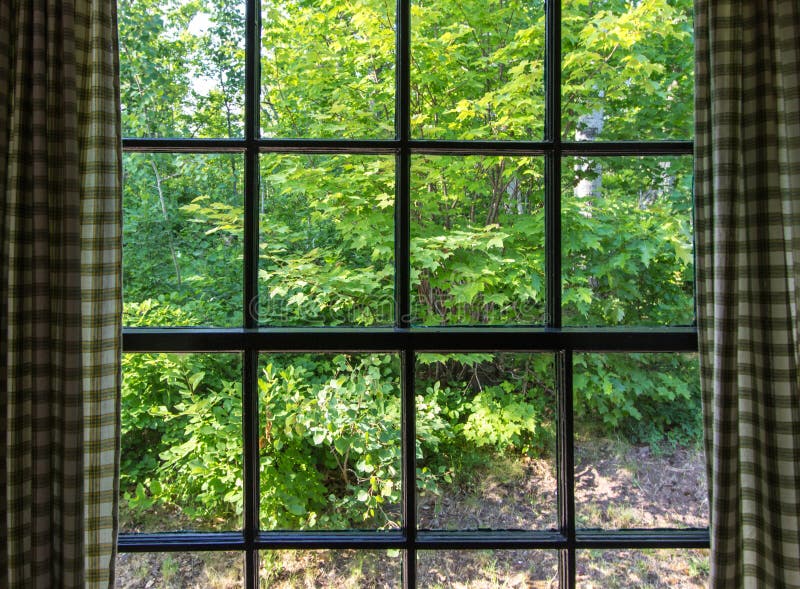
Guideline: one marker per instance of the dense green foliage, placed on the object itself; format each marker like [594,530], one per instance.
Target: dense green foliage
[329,441]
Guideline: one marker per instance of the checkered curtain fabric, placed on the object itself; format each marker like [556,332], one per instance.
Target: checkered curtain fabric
[747,180]
[60,299]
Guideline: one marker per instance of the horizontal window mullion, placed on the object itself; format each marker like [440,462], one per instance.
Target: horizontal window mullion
[566,148]
[585,539]
[332,146]
[457,147]
[656,538]
[667,339]
[180,542]
[184,145]
[331,540]
[433,147]
[482,540]
[173,542]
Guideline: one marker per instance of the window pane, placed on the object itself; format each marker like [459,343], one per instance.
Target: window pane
[627,241]
[327,240]
[480,569]
[651,569]
[627,70]
[477,69]
[182,231]
[350,569]
[182,68]
[330,441]
[477,240]
[181,461]
[327,69]
[179,570]
[638,448]
[486,441]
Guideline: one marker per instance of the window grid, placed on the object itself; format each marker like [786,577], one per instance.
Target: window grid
[250,339]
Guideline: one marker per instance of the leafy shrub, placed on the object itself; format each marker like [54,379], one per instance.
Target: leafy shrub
[647,397]
[498,402]
[330,439]
[181,427]
[499,420]
[181,436]
[330,442]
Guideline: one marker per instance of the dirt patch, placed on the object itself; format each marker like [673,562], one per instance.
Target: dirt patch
[518,494]
[621,486]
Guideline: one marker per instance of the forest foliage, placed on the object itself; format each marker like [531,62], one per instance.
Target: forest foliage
[330,424]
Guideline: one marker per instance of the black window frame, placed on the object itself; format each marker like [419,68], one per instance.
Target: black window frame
[250,339]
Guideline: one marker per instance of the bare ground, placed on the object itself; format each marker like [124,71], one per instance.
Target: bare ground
[616,486]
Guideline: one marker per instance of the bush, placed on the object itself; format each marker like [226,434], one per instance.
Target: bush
[330,425]
[646,397]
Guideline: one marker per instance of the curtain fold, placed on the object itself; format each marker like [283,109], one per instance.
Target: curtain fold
[747,192]
[60,292]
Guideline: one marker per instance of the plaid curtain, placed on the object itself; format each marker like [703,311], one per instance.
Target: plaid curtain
[747,181]
[60,305]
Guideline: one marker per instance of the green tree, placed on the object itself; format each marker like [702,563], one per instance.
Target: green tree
[326,224]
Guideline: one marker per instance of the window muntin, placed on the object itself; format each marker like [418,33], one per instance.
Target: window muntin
[390,128]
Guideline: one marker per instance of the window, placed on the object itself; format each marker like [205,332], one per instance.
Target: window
[409,294]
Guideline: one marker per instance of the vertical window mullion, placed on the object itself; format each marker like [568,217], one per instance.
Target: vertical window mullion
[402,245]
[251,238]
[552,176]
[409,451]
[402,293]
[251,221]
[251,465]
[565,440]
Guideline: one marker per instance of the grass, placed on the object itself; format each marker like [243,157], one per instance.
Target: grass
[487,569]
[643,569]
[343,569]
[180,570]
